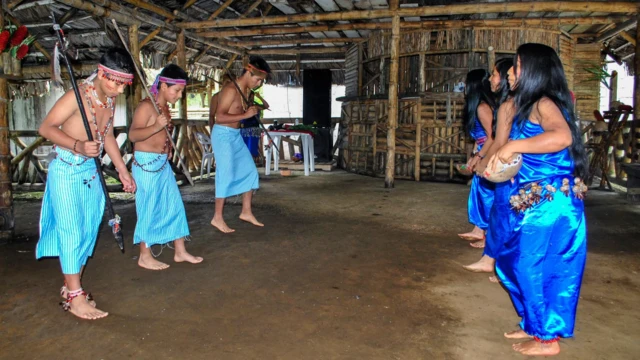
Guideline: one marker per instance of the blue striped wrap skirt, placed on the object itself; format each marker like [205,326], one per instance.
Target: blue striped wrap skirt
[159,206]
[72,210]
[236,172]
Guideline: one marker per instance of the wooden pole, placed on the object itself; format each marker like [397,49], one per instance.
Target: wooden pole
[613,94]
[291,41]
[7,220]
[134,46]
[220,9]
[389,174]
[636,76]
[150,37]
[629,24]
[434,10]
[422,59]
[625,35]
[360,68]
[182,114]
[491,59]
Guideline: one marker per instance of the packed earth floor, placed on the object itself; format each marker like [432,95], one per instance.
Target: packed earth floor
[344,269]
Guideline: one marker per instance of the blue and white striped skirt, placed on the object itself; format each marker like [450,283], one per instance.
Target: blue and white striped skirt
[71,213]
[161,215]
[236,172]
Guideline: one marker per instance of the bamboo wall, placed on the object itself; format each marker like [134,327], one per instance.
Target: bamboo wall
[586,85]
[430,138]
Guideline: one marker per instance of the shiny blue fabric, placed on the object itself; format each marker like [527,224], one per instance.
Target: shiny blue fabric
[501,217]
[481,192]
[542,263]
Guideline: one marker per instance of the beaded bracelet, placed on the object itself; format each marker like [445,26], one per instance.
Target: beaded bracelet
[74,145]
[480,156]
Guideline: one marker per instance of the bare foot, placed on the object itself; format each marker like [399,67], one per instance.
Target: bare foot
[251,219]
[148,262]
[478,244]
[494,279]
[185,256]
[473,235]
[81,308]
[221,225]
[535,348]
[518,334]
[485,264]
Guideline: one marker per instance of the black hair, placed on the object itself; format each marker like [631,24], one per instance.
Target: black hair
[542,75]
[477,91]
[172,71]
[504,90]
[259,63]
[118,59]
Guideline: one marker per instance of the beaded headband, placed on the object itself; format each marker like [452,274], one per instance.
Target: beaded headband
[252,69]
[166,80]
[114,75]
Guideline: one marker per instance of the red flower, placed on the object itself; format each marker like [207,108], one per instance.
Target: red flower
[22,52]
[19,35]
[4,38]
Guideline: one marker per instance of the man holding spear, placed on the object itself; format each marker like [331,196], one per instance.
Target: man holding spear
[74,200]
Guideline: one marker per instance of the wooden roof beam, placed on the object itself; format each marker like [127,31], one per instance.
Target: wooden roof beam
[220,9]
[441,10]
[298,50]
[625,35]
[629,24]
[292,41]
[136,18]
[427,25]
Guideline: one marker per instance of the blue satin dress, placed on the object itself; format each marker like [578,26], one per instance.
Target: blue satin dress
[501,218]
[481,193]
[541,264]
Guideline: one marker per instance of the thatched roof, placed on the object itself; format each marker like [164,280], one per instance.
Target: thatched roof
[91,34]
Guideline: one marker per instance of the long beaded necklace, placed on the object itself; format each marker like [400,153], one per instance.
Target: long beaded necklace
[100,136]
[165,149]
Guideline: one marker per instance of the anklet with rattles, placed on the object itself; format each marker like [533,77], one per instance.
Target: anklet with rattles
[66,304]
[551,341]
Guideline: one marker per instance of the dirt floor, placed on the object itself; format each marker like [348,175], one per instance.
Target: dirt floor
[344,269]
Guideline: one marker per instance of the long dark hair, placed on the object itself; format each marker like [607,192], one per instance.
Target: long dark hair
[502,94]
[542,75]
[477,90]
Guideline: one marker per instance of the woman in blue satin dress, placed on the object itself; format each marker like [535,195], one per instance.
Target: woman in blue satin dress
[541,264]
[502,79]
[478,112]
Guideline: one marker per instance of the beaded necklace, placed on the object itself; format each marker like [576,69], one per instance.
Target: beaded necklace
[100,136]
[165,149]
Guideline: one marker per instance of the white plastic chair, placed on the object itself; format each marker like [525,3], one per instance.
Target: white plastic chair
[207,153]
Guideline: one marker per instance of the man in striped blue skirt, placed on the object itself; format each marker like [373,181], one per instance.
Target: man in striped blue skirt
[161,215]
[236,171]
[73,202]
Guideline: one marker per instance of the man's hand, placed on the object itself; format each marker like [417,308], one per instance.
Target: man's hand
[251,112]
[161,121]
[88,148]
[127,181]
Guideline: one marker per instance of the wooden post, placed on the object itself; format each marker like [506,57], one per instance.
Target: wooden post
[422,59]
[383,75]
[7,220]
[134,46]
[491,59]
[636,77]
[393,98]
[182,114]
[613,94]
[360,67]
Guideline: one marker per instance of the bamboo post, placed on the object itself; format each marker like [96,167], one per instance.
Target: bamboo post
[7,220]
[383,77]
[491,59]
[182,62]
[393,98]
